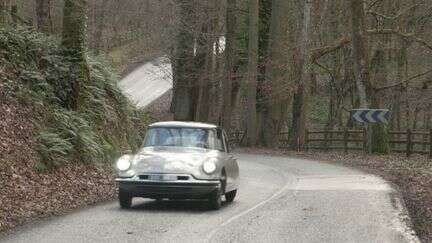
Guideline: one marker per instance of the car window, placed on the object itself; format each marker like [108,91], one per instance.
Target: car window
[214,141]
[183,137]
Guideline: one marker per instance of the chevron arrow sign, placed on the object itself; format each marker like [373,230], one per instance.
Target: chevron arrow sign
[371,115]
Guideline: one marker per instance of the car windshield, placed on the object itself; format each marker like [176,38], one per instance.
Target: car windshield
[183,137]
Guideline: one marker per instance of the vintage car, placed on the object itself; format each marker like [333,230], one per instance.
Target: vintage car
[180,160]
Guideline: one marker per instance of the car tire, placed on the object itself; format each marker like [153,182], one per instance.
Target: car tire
[215,200]
[230,196]
[125,199]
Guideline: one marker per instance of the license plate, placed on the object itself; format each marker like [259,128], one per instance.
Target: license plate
[163,177]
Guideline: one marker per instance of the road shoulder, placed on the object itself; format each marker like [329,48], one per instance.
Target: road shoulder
[411,177]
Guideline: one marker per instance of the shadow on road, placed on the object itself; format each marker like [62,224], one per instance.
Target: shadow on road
[194,206]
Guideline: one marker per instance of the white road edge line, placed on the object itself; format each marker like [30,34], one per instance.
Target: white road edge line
[230,220]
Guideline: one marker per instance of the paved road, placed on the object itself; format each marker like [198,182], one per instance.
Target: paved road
[280,200]
[148,82]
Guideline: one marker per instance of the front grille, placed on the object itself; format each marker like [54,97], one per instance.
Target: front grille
[183,178]
[179,177]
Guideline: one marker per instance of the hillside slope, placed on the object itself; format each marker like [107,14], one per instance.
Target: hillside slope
[53,159]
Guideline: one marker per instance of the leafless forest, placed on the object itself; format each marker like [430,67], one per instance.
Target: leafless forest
[270,72]
[266,66]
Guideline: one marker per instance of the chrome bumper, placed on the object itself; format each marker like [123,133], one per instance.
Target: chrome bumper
[190,188]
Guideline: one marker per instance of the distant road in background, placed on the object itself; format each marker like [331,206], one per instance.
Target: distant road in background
[148,82]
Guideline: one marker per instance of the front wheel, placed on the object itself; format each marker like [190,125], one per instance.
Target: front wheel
[215,200]
[125,199]
[230,196]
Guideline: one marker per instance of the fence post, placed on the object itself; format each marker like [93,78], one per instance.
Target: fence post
[409,143]
[365,140]
[346,140]
[307,140]
[430,143]
[326,139]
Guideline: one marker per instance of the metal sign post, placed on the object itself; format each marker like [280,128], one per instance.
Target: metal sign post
[368,117]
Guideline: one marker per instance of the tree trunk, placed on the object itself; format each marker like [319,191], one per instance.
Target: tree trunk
[74,26]
[316,42]
[265,26]
[380,137]
[360,46]
[275,103]
[203,63]
[230,53]
[43,16]
[298,126]
[100,23]
[251,87]
[14,15]
[74,35]
[367,94]
[184,64]
[4,12]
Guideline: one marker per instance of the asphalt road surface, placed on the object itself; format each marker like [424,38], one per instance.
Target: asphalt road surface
[148,82]
[280,200]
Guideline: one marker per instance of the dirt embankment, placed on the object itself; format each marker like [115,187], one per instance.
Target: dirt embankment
[26,194]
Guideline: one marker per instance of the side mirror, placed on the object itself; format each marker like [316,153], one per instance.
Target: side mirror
[128,151]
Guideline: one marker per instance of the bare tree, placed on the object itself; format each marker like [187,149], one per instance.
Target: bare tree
[100,23]
[183,100]
[276,102]
[298,126]
[4,11]
[74,36]
[43,15]
[360,47]
[230,48]
[251,85]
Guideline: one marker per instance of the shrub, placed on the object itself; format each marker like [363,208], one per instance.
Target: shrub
[37,73]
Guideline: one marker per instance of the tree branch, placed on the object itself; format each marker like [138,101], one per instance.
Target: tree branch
[395,16]
[317,53]
[409,36]
[404,81]
[322,51]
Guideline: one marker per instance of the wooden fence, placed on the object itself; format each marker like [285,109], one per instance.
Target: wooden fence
[408,142]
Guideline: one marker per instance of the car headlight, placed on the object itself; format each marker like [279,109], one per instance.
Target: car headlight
[209,167]
[124,163]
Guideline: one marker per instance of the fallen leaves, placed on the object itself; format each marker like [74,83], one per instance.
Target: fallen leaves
[26,195]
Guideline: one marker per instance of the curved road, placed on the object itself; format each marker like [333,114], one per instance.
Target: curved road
[280,200]
[148,82]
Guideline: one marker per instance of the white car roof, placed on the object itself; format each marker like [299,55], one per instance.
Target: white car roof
[184,124]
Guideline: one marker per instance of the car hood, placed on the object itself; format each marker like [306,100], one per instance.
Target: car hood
[176,160]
